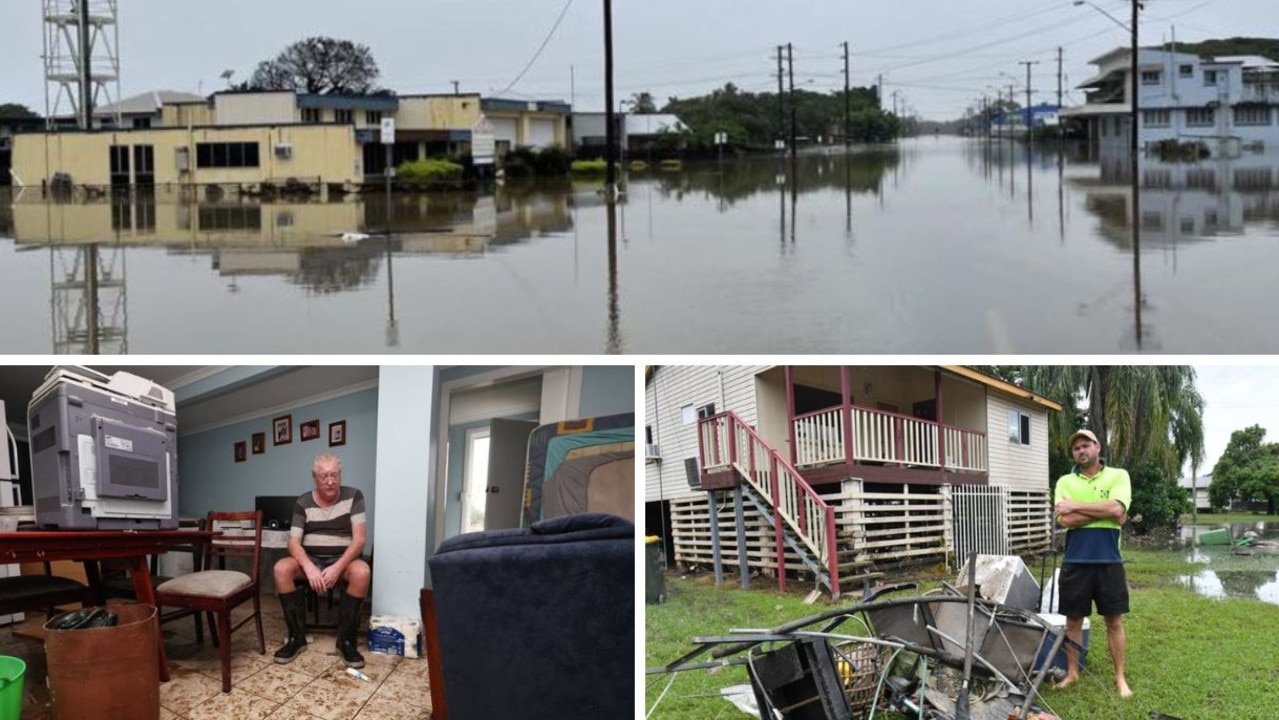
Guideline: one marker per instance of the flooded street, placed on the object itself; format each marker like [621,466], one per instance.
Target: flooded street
[1229,571]
[942,245]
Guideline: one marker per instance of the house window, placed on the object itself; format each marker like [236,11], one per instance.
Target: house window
[1152,220]
[1210,78]
[1200,117]
[1252,114]
[226,155]
[141,123]
[214,217]
[1186,71]
[705,411]
[1018,428]
[344,116]
[373,117]
[688,414]
[1156,118]
[310,115]
[648,434]
[1201,179]
[1151,77]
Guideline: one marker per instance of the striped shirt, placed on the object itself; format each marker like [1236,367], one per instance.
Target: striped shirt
[326,531]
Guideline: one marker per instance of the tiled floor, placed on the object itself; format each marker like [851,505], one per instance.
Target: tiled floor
[315,686]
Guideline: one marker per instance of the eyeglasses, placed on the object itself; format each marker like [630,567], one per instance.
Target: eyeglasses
[329,476]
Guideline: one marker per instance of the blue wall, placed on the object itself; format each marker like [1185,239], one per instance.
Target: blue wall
[210,479]
[607,390]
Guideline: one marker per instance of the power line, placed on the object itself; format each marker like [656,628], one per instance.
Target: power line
[540,48]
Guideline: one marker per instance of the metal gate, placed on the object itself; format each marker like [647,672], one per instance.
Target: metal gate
[977,521]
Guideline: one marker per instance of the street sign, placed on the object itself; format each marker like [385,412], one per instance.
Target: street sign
[388,131]
[483,142]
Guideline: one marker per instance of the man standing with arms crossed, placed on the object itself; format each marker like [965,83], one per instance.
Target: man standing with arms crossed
[1092,503]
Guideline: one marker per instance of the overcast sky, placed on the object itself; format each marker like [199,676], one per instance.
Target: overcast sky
[1236,397]
[941,55]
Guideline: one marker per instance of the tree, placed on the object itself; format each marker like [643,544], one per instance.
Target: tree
[643,103]
[1248,470]
[1143,416]
[320,65]
[16,111]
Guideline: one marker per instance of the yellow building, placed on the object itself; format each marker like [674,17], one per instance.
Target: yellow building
[207,155]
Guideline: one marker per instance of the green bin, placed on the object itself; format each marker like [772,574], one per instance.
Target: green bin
[12,670]
[655,582]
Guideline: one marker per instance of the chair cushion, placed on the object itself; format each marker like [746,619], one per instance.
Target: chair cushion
[206,583]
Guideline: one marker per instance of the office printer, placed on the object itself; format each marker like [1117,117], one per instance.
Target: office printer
[103,452]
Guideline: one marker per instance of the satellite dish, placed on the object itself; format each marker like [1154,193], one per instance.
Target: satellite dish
[226,74]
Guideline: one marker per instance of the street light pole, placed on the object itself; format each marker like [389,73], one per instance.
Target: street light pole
[610,131]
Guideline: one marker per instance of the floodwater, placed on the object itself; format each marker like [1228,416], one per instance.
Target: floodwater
[940,245]
[1228,572]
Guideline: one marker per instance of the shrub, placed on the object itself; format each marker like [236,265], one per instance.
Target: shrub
[552,161]
[431,170]
[589,167]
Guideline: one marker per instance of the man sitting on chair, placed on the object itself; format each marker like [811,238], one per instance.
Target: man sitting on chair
[325,542]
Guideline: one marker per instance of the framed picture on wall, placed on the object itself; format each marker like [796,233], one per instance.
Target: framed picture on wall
[309,430]
[282,430]
[241,451]
[259,443]
[337,433]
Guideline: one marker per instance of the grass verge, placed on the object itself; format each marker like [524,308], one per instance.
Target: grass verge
[1189,656]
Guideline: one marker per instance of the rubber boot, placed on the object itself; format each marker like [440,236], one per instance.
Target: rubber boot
[294,605]
[348,621]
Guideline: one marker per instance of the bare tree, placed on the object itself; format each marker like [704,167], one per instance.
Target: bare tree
[320,65]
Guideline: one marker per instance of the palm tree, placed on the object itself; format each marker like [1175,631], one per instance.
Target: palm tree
[1140,413]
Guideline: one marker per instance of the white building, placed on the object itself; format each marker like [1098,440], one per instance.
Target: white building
[839,469]
[1225,102]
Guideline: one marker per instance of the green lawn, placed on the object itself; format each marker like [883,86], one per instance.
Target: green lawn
[1188,656]
[1235,517]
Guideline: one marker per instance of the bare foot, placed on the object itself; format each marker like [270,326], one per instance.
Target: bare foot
[1066,682]
[1124,690]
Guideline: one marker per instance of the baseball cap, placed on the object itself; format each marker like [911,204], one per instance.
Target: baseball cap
[1081,433]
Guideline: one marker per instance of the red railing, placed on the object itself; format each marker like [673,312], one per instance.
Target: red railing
[725,441]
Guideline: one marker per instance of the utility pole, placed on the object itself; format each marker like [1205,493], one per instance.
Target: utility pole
[610,120]
[1030,113]
[847,104]
[455,86]
[1059,80]
[781,96]
[1135,149]
[794,133]
[86,65]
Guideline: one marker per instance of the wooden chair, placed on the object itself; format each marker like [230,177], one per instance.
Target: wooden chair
[216,590]
[116,582]
[27,593]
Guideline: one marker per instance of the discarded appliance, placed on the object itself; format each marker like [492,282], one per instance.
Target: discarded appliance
[943,655]
[103,452]
[1004,579]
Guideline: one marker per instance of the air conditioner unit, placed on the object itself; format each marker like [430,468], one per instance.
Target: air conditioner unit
[652,452]
[692,473]
[284,151]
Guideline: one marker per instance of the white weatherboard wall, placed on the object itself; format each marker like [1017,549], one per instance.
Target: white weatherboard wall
[405,507]
[1021,467]
[671,388]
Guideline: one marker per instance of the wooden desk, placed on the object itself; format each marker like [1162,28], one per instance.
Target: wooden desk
[92,545]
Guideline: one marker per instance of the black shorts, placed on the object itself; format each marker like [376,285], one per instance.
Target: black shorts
[1082,584]
[323,561]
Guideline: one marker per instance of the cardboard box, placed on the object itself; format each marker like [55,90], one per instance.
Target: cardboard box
[392,635]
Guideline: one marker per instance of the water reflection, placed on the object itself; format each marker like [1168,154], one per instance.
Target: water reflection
[939,245]
[1231,571]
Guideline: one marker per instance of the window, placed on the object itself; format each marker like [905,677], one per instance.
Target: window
[1200,117]
[1252,114]
[310,115]
[1156,118]
[1152,220]
[1151,77]
[373,117]
[688,414]
[1210,78]
[705,411]
[226,155]
[141,123]
[1018,428]
[1186,71]
[648,434]
[344,116]
[213,217]
[476,473]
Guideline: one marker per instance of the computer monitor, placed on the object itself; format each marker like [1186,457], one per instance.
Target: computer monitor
[277,510]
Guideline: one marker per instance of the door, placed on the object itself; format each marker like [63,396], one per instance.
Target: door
[508,453]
